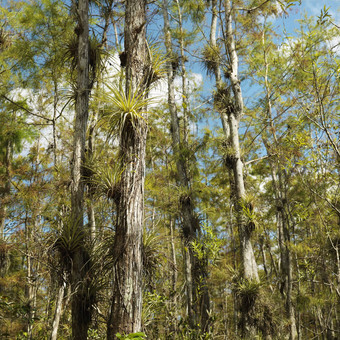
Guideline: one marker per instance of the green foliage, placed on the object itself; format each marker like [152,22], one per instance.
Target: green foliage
[136,336]
[158,64]
[151,254]
[208,245]
[195,9]
[292,120]
[125,110]
[324,16]
[97,56]
[93,334]
[70,237]
[153,308]
[211,58]
[103,176]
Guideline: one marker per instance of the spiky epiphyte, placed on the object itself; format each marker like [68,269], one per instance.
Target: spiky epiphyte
[222,99]
[155,70]
[96,56]
[103,179]
[125,110]
[256,309]
[211,58]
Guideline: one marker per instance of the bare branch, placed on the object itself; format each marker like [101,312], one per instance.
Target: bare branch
[258,159]
[25,109]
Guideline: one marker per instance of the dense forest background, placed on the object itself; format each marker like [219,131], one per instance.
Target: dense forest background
[169,169]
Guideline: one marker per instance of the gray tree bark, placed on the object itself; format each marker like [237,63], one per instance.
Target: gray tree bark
[234,116]
[235,113]
[81,303]
[217,66]
[58,312]
[126,308]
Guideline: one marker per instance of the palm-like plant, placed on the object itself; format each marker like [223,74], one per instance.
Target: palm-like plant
[103,177]
[125,108]
[128,108]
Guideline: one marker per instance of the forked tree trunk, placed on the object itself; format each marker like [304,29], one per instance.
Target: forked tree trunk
[81,299]
[126,308]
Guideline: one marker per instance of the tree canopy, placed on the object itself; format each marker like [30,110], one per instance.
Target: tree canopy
[169,170]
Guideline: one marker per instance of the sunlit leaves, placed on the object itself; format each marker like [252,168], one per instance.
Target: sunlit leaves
[124,110]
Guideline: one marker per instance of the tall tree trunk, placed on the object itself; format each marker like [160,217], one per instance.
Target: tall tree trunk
[183,75]
[91,215]
[126,308]
[245,230]
[198,305]
[173,296]
[81,298]
[186,213]
[31,270]
[234,116]
[216,64]
[282,210]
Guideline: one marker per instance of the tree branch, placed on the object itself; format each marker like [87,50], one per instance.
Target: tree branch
[25,109]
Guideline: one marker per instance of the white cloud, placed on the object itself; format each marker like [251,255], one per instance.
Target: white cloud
[41,102]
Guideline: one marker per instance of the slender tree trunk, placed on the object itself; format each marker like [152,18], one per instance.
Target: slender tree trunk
[282,212]
[176,145]
[183,75]
[245,230]
[283,228]
[126,308]
[92,126]
[248,258]
[81,297]
[30,292]
[90,205]
[5,192]
[31,284]
[198,305]
[174,277]
[216,64]
[58,312]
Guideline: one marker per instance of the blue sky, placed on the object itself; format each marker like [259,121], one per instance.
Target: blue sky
[286,23]
[311,8]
